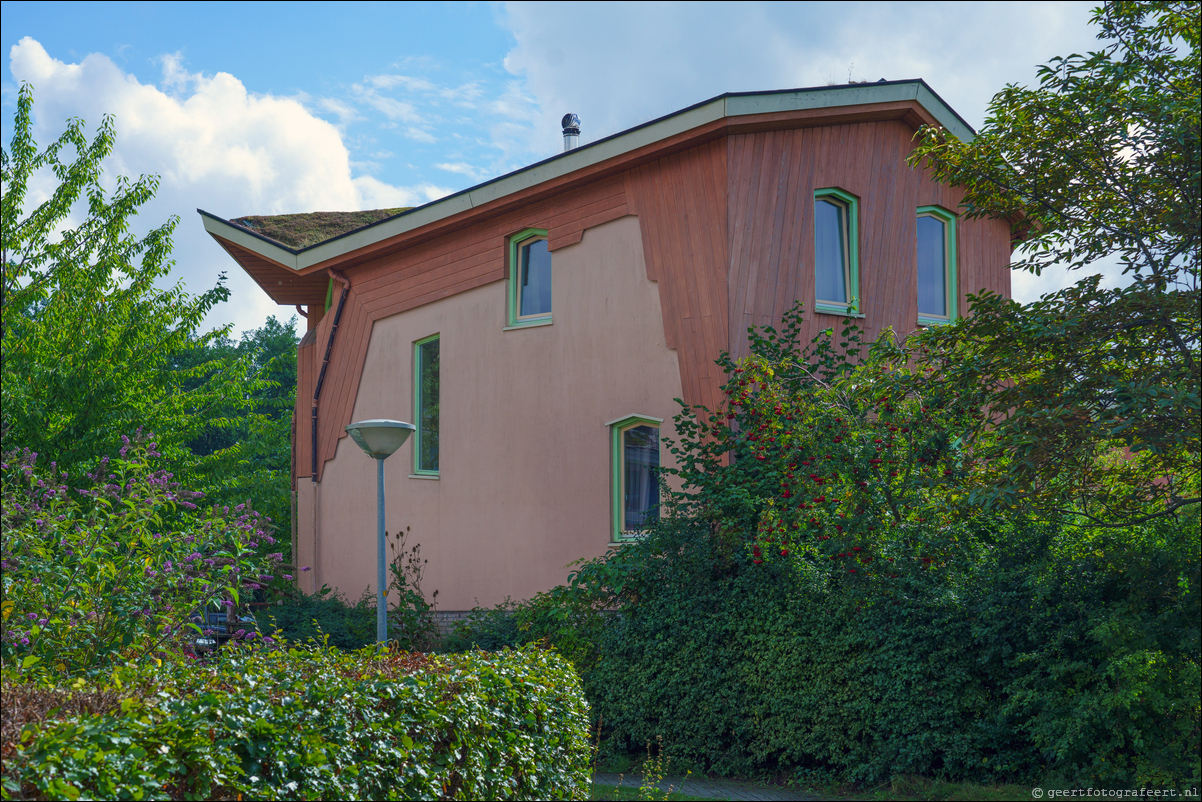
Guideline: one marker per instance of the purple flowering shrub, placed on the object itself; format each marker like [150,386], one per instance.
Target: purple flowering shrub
[122,569]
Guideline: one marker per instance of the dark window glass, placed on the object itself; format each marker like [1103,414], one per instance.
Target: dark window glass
[535,279]
[427,400]
[640,446]
[932,266]
[830,251]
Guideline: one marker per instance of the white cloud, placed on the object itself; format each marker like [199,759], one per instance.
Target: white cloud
[390,81]
[1027,287]
[378,195]
[345,112]
[640,61]
[464,95]
[462,168]
[174,74]
[216,146]
[390,107]
[420,134]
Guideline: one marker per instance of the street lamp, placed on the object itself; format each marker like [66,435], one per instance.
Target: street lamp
[378,439]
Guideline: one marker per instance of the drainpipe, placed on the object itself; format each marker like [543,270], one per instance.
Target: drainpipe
[325,363]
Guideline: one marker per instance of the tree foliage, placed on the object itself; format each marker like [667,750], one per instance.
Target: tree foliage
[248,451]
[1094,392]
[92,348]
[831,453]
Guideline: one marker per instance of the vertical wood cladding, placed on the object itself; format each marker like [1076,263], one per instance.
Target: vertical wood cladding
[681,204]
[773,176]
[727,231]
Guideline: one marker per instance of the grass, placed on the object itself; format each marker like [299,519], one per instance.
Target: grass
[303,230]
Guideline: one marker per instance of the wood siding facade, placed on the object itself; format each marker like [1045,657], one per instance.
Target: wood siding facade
[728,234]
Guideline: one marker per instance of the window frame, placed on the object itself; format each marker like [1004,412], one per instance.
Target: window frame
[851,271]
[618,533]
[418,471]
[950,285]
[514,320]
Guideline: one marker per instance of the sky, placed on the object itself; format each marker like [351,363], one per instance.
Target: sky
[269,108]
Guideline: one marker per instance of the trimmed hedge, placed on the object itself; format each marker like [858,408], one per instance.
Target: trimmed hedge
[1056,656]
[300,724]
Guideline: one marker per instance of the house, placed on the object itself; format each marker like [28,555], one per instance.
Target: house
[574,301]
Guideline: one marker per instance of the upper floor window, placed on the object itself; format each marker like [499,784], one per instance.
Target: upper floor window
[529,279]
[937,295]
[836,252]
[635,483]
[426,393]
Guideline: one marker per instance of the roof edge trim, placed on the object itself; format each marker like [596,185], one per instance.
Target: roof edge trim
[257,243]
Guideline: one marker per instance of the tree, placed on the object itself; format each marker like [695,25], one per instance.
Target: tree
[253,449]
[1093,392]
[92,349]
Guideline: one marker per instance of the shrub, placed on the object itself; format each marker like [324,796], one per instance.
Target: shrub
[1054,656]
[827,597]
[566,617]
[488,628]
[301,617]
[116,571]
[289,723]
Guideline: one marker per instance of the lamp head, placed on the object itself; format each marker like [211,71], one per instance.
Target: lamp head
[379,438]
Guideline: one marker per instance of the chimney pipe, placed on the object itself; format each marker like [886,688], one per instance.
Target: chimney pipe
[571,131]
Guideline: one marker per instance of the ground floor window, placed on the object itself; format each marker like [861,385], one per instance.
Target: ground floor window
[635,480]
[426,394]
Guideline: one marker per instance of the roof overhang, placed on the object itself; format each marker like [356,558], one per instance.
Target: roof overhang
[912,101]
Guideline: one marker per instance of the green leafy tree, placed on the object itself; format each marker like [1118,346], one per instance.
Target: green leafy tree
[253,446]
[92,348]
[1094,392]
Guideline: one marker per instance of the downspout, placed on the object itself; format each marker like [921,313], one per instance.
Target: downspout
[325,363]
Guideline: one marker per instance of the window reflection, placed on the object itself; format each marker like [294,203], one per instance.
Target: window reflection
[535,298]
[640,446]
[830,251]
[427,400]
[932,266]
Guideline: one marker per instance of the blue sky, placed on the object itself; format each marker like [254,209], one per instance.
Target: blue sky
[248,108]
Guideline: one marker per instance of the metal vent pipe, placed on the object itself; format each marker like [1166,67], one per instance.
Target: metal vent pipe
[571,131]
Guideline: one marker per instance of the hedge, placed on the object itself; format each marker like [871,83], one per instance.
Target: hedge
[305,724]
[1057,657]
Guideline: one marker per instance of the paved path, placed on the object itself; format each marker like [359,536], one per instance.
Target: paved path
[715,789]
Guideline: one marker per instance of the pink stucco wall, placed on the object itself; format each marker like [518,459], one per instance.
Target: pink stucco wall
[524,484]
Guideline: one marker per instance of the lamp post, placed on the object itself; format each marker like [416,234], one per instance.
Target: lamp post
[378,439]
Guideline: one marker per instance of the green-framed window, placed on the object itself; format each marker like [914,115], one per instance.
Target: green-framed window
[938,296]
[529,295]
[836,252]
[634,461]
[425,404]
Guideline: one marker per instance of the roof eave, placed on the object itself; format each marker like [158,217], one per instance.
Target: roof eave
[267,248]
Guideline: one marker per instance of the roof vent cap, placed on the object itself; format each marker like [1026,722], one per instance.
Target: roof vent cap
[571,131]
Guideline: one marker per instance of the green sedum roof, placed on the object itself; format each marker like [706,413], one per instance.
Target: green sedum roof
[298,231]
